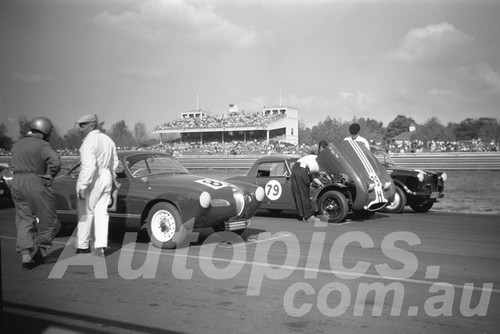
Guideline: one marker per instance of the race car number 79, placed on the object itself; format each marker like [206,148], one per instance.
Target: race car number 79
[273,190]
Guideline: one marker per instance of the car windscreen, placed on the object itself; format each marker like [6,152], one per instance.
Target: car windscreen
[384,158]
[147,165]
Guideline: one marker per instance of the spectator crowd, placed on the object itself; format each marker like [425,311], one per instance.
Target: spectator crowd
[256,120]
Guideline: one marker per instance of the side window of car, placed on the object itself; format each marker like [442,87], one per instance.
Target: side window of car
[278,169]
[264,169]
[139,169]
[272,169]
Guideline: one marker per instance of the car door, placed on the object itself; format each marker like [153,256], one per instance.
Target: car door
[274,178]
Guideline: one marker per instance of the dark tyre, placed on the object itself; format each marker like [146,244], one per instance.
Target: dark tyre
[398,204]
[332,207]
[421,207]
[164,226]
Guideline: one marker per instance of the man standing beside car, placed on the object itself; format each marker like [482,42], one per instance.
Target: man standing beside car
[98,165]
[301,178]
[354,129]
[35,164]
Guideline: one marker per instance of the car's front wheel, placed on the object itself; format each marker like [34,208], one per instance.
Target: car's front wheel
[421,207]
[164,225]
[332,207]
[398,204]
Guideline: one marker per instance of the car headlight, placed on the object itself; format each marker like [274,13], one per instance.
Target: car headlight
[239,199]
[259,194]
[387,185]
[205,199]
[444,177]
[371,186]
[420,176]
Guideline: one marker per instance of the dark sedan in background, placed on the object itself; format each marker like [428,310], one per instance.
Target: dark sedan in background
[417,188]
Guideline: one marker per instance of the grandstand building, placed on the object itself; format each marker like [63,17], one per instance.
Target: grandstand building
[271,124]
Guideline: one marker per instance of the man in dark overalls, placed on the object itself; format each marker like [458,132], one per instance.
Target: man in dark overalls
[35,164]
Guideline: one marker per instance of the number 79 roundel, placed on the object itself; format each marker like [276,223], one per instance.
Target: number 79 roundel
[273,190]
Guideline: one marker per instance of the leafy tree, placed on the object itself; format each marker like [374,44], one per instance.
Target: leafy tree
[24,126]
[140,133]
[5,141]
[400,124]
[73,139]
[56,140]
[121,135]
[488,129]
[466,129]
[304,133]
[431,130]
[331,129]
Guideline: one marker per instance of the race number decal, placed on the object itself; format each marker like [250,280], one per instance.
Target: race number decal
[214,184]
[273,190]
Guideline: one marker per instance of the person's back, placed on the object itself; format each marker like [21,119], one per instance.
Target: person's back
[29,155]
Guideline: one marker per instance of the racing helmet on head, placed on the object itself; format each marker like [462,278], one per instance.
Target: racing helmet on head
[41,124]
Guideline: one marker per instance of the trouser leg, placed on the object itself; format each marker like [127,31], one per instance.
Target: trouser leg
[304,183]
[85,218]
[101,221]
[25,225]
[296,195]
[25,219]
[48,224]
[100,199]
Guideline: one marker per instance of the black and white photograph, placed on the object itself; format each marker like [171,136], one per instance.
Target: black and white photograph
[249,166]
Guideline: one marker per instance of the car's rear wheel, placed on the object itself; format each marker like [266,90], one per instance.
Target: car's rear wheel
[164,225]
[421,207]
[398,204]
[332,207]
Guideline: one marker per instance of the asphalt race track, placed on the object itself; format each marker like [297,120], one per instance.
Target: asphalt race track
[407,273]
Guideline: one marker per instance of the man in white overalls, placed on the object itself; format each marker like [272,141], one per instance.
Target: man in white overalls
[98,165]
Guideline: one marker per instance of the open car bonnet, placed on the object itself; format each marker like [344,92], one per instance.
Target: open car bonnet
[374,186]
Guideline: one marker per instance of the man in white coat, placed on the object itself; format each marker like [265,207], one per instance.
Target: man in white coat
[354,129]
[98,165]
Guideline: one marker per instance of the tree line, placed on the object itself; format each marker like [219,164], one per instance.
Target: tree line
[72,139]
[332,129]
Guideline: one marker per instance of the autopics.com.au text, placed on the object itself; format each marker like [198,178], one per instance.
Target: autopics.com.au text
[332,300]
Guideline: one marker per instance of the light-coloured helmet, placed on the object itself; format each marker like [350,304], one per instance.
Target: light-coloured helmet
[42,124]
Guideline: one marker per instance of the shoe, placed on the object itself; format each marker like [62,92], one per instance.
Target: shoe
[312,220]
[38,257]
[100,252]
[28,265]
[30,262]
[83,250]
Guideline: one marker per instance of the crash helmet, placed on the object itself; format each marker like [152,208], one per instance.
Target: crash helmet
[42,124]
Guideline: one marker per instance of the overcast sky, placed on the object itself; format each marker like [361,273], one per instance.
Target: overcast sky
[149,60]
